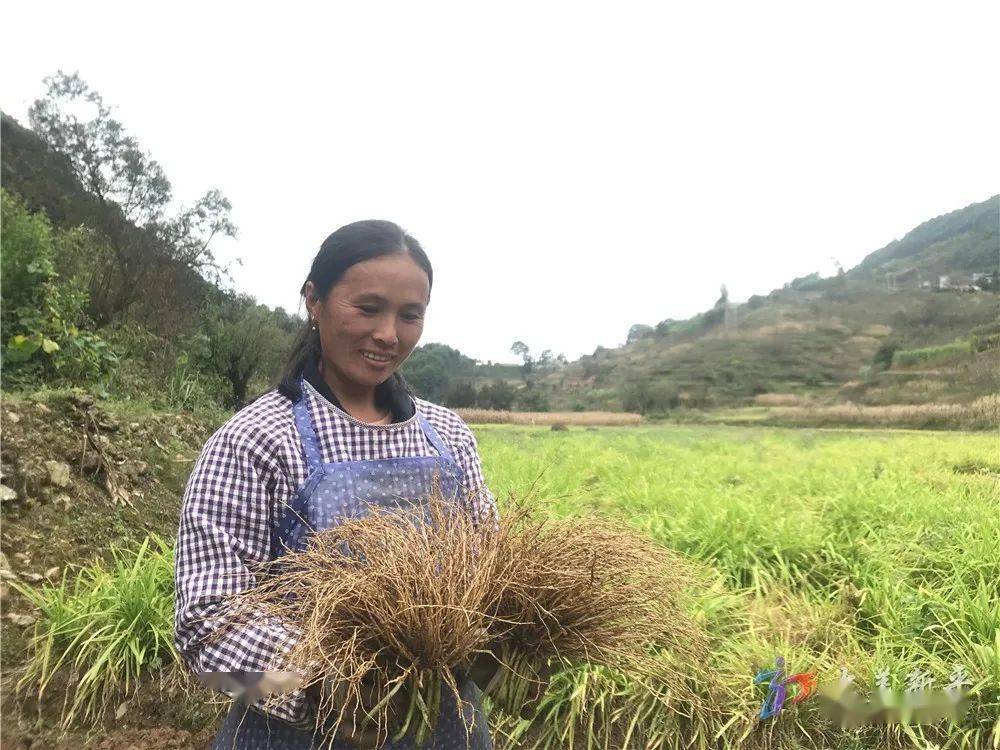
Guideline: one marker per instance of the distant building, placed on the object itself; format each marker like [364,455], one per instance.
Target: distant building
[974,282]
[985,280]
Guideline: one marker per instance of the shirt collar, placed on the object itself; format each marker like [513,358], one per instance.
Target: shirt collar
[388,395]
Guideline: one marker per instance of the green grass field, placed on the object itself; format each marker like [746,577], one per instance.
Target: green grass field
[862,550]
[857,549]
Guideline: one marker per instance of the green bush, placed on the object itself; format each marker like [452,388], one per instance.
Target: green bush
[883,357]
[987,329]
[530,399]
[982,343]
[109,629]
[985,337]
[161,370]
[497,395]
[43,315]
[650,396]
[461,395]
[913,357]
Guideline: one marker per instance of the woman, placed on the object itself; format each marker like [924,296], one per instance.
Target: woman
[340,430]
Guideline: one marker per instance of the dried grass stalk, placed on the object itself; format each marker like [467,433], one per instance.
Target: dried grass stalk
[391,605]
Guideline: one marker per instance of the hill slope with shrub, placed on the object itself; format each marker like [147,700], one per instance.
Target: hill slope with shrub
[816,335]
[124,300]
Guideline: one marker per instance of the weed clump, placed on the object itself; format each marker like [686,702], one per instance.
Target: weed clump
[409,604]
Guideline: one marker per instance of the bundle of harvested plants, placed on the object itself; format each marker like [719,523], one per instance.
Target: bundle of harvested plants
[407,603]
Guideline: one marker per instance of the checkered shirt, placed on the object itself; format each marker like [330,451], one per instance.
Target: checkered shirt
[247,475]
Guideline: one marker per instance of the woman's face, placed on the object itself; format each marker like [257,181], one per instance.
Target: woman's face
[372,318]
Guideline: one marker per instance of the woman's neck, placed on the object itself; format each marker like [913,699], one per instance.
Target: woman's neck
[356,400]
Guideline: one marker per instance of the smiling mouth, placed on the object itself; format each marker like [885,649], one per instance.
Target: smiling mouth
[377,358]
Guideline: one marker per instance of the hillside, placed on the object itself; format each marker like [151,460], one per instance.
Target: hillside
[965,241]
[815,335]
[177,337]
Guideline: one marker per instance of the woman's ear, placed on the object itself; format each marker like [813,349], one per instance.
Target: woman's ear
[311,302]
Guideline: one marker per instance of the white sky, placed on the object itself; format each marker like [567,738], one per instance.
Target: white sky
[571,168]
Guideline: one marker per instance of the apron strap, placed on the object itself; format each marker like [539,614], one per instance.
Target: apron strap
[307,433]
[434,438]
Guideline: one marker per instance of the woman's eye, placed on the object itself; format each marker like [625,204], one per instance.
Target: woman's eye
[412,317]
[368,309]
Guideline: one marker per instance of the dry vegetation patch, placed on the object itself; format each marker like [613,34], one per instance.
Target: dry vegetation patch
[548,418]
[981,414]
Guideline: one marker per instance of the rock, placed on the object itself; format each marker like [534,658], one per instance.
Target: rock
[83,400]
[91,462]
[52,573]
[6,572]
[7,495]
[58,473]
[21,620]
[13,417]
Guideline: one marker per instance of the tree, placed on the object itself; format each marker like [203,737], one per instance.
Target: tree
[638,331]
[498,395]
[133,191]
[723,297]
[664,327]
[432,368]
[884,356]
[520,349]
[241,341]
[110,164]
[461,395]
[189,235]
[531,399]
[647,396]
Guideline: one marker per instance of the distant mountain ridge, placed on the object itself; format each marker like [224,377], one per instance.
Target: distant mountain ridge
[965,241]
[814,334]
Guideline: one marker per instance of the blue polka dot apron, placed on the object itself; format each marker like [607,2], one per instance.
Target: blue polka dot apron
[343,489]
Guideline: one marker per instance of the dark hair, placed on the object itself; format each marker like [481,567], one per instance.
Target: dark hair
[352,243]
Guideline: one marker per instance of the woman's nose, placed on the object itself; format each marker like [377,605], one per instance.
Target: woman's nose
[385,334]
